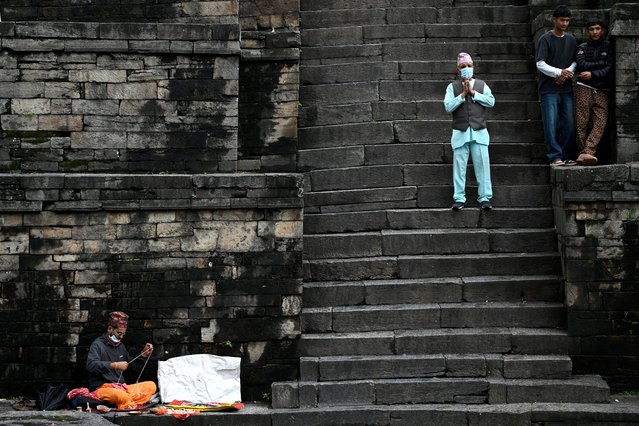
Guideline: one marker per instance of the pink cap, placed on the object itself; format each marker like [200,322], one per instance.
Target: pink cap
[464,58]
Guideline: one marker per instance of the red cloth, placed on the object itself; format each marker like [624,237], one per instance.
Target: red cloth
[81,392]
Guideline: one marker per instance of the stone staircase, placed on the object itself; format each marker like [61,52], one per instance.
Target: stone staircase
[406,301]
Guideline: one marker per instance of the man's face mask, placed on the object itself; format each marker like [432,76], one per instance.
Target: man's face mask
[467,72]
[114,339]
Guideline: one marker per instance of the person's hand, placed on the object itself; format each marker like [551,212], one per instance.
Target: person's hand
[465,86]
[120,365]
[586,75]
[565,75]
[148,350]
[469,88]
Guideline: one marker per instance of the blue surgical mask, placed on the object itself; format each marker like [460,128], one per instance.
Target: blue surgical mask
[467,73]
[114,339]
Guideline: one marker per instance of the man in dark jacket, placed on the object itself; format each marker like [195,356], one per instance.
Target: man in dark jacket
[595,63]
[107,361]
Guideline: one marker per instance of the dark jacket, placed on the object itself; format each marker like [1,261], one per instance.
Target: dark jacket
[598,58]
[102,353]
[469,113]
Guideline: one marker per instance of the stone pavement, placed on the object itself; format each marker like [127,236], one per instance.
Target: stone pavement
[623,410]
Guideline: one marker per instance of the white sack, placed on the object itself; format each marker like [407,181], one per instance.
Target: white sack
[200,379]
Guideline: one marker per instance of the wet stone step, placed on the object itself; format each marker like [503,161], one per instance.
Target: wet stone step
[577,389]
[419,316]
[428,241]
[413,153]
[377,176]
[434,365]
[412,131]
[491,71]
[435,290]
[528,341]
[427,196]
[431,266]
[427,219]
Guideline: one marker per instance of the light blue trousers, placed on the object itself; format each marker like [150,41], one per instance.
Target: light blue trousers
[481,164]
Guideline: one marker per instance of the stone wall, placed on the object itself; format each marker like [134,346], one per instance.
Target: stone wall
[269,84]
[202,263]
[269,68]
[215,11]
[78,97]
[624,27]
[120,139]
[597,219]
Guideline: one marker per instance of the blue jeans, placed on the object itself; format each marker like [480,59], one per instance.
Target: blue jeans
[557,113]
[481,164]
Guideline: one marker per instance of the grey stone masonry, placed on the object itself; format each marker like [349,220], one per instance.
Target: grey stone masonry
[212,11]
[201,263]
[269,84]
[625,29]
[113,97]
[597,219]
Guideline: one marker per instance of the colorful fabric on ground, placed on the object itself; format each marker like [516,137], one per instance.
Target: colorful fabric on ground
[210,406]
[126,396]
[81,392]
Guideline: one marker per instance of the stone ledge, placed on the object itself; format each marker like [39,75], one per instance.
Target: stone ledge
[220,39]
[624,19]
[94,192]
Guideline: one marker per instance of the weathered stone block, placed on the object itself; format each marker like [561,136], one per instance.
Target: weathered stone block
[132,91]
[57,30]
[138,31]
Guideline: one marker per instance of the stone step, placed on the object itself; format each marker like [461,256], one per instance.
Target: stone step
[406,91]
[332,368]
[327,223]
[428,196]
[379,176]
[372,4]
[528,341]
[346,17]
[429,241]
[435,290]
[431,266]
[412,131]
[344,319]
[413,153]
[442,70]
[624,412]
[484,68]
[427,51]
[415,33]
[322,114]
[577,389]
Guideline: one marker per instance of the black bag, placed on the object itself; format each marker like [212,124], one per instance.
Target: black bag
[53,398]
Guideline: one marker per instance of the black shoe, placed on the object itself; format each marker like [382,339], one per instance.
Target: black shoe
[485,205]
[458,205]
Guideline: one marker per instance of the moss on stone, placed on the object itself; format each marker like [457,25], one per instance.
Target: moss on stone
[72,164]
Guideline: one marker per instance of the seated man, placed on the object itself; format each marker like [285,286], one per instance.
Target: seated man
[107,361]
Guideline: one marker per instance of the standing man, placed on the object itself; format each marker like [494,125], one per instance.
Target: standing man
[594,65]
[467,99]
[107,361]
[556,54]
